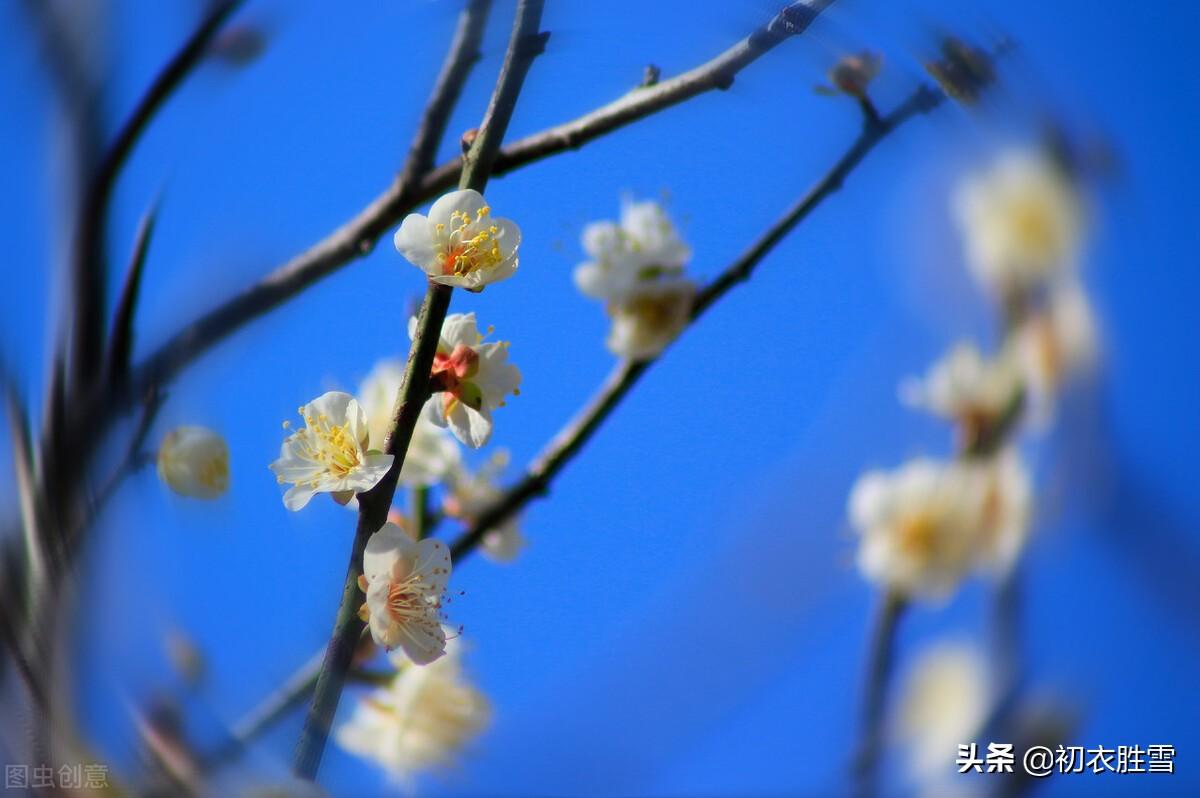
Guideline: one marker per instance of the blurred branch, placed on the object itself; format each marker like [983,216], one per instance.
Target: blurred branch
[358,236]
[524,45]
[571,439]
[878,674]
[133,459]
[88,255]
[121,341]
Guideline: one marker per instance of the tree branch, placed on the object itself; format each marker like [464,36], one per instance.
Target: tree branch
[571,439]
[120,343]
[358,236]
[878,673]
[525,43]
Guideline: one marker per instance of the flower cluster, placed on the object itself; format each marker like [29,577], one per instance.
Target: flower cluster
[419,720]
[636,269]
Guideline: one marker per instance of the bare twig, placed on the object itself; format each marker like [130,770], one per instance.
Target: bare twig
[525,43]
[88,257]
[878,675]
[572,437]
[121,340]
[358,236]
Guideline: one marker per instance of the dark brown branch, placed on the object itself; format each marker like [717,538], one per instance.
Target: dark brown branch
[120,343]
[572,437]
[358,236]
[525,43]
[88,252]
[880,653]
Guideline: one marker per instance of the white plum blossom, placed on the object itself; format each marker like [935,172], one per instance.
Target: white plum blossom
[472,493]
[194,462]
[1054,344]
[405,582]
[642,247]
[422,719]
[965,386]
[1023,222]
[432,452]
[471,379]
[331,454]
[919,525]
[460,243]
[646,321]
[944,701]
[1007,510]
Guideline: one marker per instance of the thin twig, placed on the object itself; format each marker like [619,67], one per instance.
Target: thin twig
[121,340]
[880,655]
[358,236]
[572,437]
[88,257]
[525,43]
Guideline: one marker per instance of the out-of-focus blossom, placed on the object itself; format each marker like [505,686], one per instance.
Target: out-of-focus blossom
[853,73]
[944,701]
[1054,344]
[405,582]
[642,248]
[965,386]
[432,453]
[646,321]
[471,494]
[422,719]
[330,455]
[1007,510]
[1022,219]
[473,378]
[460,243]
[194,461]
[919,524]
[963,71]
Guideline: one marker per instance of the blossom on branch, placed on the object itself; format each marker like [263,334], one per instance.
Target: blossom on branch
[944,699]
[432,453]
[473,493]
[964,386]
[460,243]
[1023,222]
[194,462]
[470,379]
[419,720]
[647,320]
[1053,344]
[405,582]
[331,454]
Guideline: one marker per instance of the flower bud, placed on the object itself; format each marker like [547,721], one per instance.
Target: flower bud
[194,461]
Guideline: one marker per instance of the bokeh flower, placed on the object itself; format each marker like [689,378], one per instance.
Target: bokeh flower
[460,243]
[330,455]
[405,582]
[471,379]
[641,248]
[966,387]
[944,701]
[194,461]
[470,493]
[1054,344]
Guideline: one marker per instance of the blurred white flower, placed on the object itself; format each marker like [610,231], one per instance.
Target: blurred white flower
[1007,510]
[643,247]
[330,455]
[1023,222]
[1054,344]
[460,243]
[473,379]
[944,701]
[647,320]
[964,386]
[405,581]
[194,461]
[422,719]
[919,525]
[472,493]
[432,453]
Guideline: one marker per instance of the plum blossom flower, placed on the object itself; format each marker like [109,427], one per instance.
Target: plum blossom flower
[471,494]
[432,453]
[405,582]
[460,243]
[965,386]
[420,720]
[944,700]
[330,455]
[1006,510]
[472,379]
[642,247]
[919,525]
[194,462]
[646,321]
[1054,344]
[1023,222]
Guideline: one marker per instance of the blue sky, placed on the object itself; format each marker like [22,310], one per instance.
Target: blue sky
[687,618]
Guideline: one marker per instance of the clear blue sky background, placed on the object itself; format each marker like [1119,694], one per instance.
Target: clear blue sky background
[687,618]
